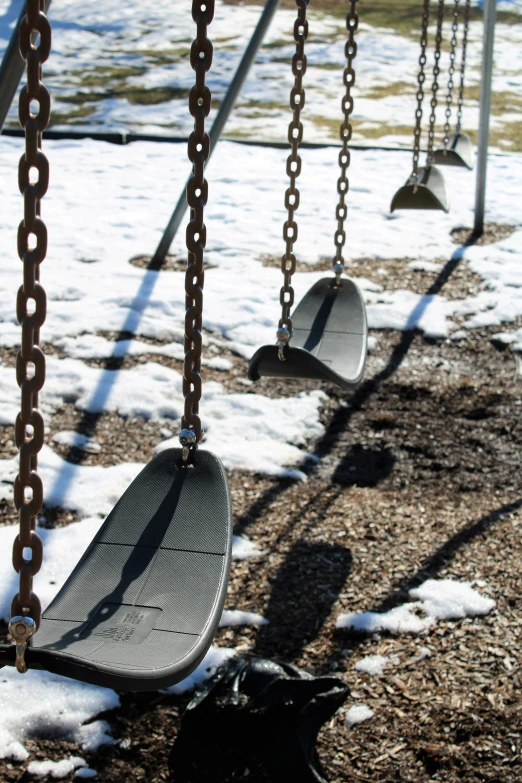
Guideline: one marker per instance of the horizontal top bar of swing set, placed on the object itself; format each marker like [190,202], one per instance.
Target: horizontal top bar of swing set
[127,138]
[115,137]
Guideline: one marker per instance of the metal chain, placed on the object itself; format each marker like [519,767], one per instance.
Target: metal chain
[420,91]
[293,169]
[463,66]
[453,47]
[196,235]
[31,311]
[341,211]
[435,85]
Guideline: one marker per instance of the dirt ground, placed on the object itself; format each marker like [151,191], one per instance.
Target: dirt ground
[416,476]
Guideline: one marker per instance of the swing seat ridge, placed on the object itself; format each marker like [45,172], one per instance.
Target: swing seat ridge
[458,152]
[143,604]
[329,340]
[427,191]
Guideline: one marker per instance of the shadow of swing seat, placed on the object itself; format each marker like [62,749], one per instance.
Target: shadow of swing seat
[458,152]
[426,191]
[142,606]
[329,340]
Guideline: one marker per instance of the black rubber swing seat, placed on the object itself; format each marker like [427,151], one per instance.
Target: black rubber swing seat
[329,340]
[458,152]
[427,191]
[142,606]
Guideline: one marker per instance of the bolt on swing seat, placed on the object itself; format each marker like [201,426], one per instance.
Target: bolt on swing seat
[143,604]
[458,152]
[329,340]
[140,609]
[425,191]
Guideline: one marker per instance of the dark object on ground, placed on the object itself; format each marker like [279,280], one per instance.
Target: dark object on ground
[256,714]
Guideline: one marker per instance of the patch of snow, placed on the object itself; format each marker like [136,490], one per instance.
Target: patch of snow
[439,599]
[357,714]
[53,705]
[375,664]
[56,769]
[218,363]
[447,599]
[85,773]
[238,617]
[70,486]
[243,548]
[77,440]
[94,734]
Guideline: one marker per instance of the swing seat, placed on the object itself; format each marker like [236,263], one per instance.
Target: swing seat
[142,606]
[459,152]
[428,191]
[329,340]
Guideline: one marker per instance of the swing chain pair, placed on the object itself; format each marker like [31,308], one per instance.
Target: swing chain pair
[31,312]
[196,235]
[293,169]
[453,48]
[463,67]
[350,50]
[421,78]
[435,85]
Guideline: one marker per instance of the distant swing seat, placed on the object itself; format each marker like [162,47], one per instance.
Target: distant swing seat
[329,340]
[143,604]
[458,152]
[427,191]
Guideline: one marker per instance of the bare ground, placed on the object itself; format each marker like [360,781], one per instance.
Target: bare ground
[417,476]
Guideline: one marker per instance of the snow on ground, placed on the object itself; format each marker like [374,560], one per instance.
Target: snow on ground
[357,714]
[237,617]
[375,664]
[57,769]
[438,599]
[52,706]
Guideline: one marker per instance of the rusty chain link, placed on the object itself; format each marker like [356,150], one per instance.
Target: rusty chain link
[341,211]
[463,66]
[293,169]
[421,78]
[435,85]
[196,235]
[453,47]
[31,312]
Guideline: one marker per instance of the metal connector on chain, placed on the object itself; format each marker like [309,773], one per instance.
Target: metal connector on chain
[341,212]
[31,312]
[435,85]
[293,169]
[196,235]
[460,102]
[451,73]
[421,78]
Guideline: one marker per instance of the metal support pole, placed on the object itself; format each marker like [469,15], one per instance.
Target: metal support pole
[485,108]
[12,67]
[219,123]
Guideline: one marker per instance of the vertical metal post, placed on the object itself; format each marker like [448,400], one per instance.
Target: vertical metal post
[12,67]
[219,123]
[485,108]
